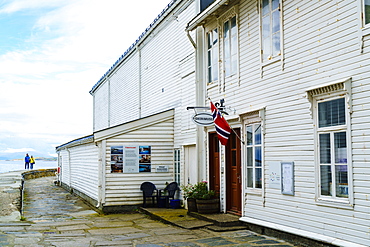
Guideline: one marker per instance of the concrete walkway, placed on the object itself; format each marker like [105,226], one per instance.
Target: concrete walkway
[54,217]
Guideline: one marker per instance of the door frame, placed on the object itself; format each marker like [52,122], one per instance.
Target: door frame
[234,181]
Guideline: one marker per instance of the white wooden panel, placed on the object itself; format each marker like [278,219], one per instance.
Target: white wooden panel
[65,171]
[101,104]
[124,188]
[84,169]
[124,92]
[320,45]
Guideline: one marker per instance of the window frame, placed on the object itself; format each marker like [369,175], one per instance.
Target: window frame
[219,24]
[271,58]
[254,117]
[363,13]
[231,45]
[316,95]
[177,165]
[331,130]
[253,146]
[211,51]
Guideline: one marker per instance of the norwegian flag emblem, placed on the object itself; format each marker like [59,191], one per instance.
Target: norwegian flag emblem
[222,127]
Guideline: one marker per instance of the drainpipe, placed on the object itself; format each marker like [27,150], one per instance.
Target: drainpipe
[69,169]
[103,173]
[99,174]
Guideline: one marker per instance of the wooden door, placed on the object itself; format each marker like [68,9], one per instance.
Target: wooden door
[214,163]
[233,174]
[191,168]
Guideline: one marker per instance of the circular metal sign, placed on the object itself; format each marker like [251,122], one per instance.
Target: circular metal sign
[203,118]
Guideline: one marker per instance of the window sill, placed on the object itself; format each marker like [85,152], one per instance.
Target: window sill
[271,61]
[252,191]
[366,31]
[212,84]
[334,203]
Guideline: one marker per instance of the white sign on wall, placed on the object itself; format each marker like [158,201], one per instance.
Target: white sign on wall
[274,175]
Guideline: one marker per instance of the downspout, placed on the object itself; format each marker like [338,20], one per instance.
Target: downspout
[69,169]
[99,174]
[103,149]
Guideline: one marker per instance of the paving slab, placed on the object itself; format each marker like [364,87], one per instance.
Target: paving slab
[54,217]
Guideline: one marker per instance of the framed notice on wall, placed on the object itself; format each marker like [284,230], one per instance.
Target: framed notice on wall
[130,159]
[287,178]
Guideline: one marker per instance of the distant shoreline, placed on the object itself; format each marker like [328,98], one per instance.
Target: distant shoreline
[37,158]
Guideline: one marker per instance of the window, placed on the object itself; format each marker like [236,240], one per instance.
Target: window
[230,41]
[367,11]
[270,29]
[177,166]
[254,155]
[212,55]
[332,142]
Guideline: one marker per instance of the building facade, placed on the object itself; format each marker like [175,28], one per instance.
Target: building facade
[293,78]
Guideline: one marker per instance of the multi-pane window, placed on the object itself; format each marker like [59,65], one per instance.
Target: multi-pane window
[332,142]
[212,55]
[177,166]
[230,41]
[367,11]
[270,29]
[254,155]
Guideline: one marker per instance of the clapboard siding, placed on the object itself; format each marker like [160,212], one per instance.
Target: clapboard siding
[124,92]
[124,189]
[101,111]
[152,77]
[321,45]
[84,169]
[163,65]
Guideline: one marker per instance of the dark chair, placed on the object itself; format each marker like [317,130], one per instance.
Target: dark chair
[171,189]
[149,190]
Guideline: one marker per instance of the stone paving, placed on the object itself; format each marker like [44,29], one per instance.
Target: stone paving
[54,217]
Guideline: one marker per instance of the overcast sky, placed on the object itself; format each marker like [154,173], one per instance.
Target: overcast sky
[52,52]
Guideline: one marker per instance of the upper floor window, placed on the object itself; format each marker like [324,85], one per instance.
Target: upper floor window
[367,11]
[230,41]
[270,29]
[212,55]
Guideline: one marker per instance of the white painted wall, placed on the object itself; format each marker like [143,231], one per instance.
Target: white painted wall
[79,168]
[124,188]
[321,45]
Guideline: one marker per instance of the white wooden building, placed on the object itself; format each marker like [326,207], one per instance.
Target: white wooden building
[293,77]
[138,104]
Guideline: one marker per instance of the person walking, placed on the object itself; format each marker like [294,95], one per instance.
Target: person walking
[27,162]
[32,162]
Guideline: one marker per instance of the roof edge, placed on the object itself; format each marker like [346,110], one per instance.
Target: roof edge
[76,142]
[133,45]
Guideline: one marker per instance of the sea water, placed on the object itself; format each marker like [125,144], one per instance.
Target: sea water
[18,165]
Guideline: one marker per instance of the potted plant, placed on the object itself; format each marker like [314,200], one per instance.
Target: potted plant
[188,192]
[205,199]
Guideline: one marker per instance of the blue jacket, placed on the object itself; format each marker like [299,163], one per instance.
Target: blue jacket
[27,159]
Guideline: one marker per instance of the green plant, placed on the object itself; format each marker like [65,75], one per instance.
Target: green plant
[198,191]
